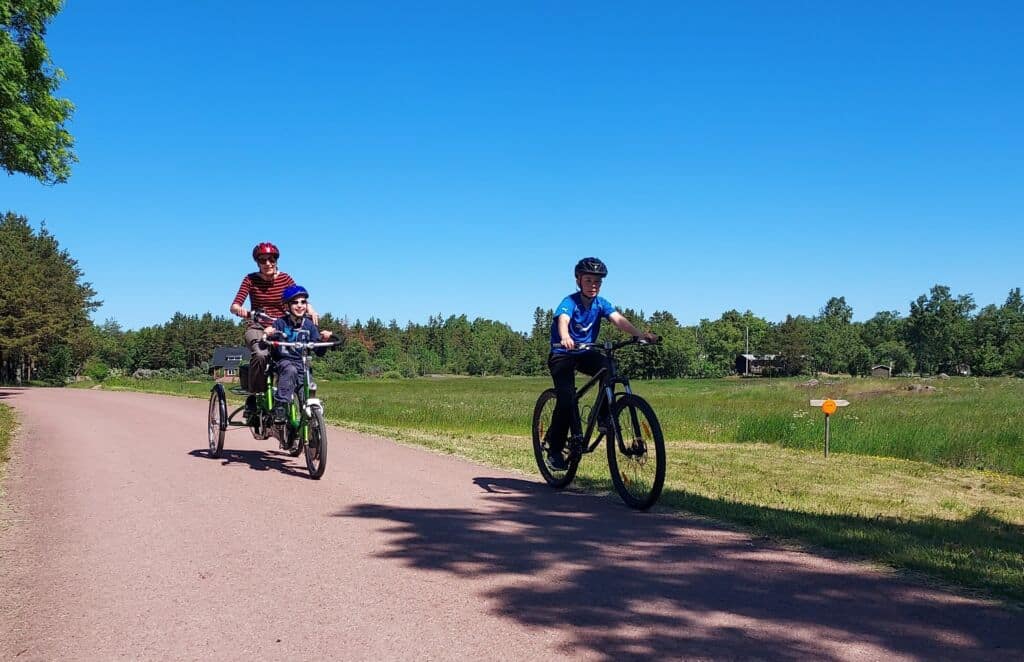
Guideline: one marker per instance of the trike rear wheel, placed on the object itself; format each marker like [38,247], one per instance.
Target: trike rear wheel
[216,420]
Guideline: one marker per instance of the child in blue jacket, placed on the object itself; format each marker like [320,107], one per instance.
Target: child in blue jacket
[293,327]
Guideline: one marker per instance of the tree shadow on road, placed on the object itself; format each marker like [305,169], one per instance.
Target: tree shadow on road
[258,460]
[627,585]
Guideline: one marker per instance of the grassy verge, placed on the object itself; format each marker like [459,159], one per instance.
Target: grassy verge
[750,453]
[7,425]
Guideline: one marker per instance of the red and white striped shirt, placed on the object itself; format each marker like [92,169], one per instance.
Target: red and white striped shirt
[265,295]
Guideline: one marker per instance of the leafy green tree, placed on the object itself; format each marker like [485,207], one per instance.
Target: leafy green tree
[793,339]
[726,338]
[938,330]
[885,326]
[33,137]
[837,343]
[896,354]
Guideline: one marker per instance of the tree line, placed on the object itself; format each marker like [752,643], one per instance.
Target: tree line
[941,332]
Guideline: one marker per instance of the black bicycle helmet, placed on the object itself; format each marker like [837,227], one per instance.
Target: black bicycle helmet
[591,265]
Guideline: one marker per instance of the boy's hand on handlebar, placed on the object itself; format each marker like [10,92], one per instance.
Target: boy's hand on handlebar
[270,331]
[568,343]
[650,337]
[326,335]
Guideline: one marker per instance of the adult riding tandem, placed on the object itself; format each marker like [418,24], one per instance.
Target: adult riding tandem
[284,405]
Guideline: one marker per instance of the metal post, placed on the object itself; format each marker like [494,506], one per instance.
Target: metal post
[827,417]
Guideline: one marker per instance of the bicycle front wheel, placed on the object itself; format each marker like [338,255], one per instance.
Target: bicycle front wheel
[316,446]
[215,421]
[293,444]
[636,452]
[558,466]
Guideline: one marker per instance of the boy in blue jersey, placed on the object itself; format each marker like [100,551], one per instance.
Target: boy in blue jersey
[293,327]
[578,320]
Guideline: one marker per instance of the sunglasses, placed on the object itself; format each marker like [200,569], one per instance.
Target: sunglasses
[294,301]
[267,260]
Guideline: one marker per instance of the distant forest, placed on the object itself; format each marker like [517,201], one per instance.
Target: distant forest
[941,332]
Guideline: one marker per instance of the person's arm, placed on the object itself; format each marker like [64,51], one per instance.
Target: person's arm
[311,311]
[275,329]
[236,306]
[563,333]
[620,322]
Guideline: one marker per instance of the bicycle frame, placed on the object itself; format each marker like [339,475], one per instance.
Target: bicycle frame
[608,376]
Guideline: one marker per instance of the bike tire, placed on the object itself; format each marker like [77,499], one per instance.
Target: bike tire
[316,446]
[542,413]
[635,445]
[216,421]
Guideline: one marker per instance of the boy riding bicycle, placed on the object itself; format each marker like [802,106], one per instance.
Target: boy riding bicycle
[577,321]
[293,327]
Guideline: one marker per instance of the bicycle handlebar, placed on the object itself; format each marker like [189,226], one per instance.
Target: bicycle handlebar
[302,345]
[260,316]
[610,346]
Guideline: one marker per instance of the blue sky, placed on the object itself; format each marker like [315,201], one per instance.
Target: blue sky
[453,157]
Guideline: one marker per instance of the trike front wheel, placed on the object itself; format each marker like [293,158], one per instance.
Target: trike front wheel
[316,445]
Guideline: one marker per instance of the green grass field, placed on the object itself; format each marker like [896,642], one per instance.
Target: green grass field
[931,482]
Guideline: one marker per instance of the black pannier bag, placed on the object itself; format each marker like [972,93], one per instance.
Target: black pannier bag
[243,376]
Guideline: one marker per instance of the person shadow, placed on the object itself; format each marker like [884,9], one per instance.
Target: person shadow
[629,585]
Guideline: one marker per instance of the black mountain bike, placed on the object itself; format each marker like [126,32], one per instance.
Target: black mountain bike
[636,447]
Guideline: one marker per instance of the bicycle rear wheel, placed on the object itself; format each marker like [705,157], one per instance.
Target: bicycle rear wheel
[316,446]
[636,452]
[216,420]
[542,413]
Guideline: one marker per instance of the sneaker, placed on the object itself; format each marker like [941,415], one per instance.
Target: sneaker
[280,415]
[556,459]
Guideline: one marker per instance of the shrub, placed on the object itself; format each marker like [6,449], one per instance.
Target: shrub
[96,369]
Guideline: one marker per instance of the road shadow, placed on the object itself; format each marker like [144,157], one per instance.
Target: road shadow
[627,585]
[11,391]
[258,460]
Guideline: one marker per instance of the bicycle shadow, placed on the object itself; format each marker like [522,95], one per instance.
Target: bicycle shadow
[631,585]
[257,460]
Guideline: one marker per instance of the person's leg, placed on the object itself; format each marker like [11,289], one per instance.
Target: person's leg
[287,380]
[259,355]
[564,418]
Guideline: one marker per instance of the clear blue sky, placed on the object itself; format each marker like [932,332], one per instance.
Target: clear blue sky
[458,157]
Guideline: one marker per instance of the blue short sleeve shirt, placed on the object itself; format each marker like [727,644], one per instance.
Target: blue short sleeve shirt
[584,323]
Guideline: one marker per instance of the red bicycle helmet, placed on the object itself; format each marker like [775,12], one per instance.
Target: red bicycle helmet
[265,248]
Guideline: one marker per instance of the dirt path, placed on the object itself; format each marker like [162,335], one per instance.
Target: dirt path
[122,540]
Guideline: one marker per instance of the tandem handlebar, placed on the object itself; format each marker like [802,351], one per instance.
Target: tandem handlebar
[303,345]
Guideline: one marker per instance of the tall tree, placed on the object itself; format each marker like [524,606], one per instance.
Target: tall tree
[43,302]
[837,343]
[33,137]
[938,330]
